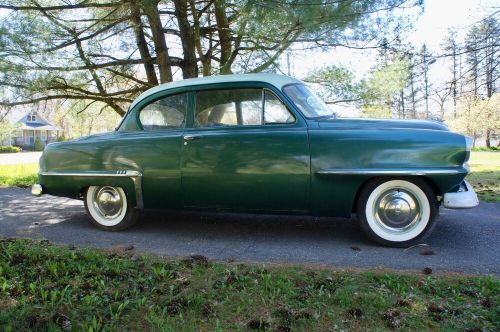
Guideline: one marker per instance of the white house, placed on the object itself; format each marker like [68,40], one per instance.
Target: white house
[29,127]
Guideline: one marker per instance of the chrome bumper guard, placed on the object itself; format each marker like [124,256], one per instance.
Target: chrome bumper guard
[465,198]
[37,189]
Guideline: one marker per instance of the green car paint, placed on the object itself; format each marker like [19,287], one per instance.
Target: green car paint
[309,166]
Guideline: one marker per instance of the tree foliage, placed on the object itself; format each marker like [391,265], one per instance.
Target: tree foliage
[5,131]
[476,115]
[377,95]
[337,84]
[108,51]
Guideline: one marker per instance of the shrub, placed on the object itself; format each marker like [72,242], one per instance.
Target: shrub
[38,145]
[10,149]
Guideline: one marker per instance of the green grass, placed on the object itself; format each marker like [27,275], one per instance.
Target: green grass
[48,287]
[485,175]
[20,175]
[485,149]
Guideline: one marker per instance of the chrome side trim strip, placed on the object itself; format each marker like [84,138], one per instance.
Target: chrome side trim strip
[135,176]
[396,171]
[93,173]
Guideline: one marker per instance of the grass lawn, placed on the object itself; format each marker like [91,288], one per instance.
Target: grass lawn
[20,175]
[485,176]
[48,287]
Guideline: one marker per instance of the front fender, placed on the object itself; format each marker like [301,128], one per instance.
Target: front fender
[342,160]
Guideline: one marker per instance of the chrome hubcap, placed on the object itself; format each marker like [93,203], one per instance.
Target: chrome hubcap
[108,202]
[397,210]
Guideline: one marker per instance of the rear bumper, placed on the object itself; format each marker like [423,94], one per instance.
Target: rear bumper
[465,198]
[37,189]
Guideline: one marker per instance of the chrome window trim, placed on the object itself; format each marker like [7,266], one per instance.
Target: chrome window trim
[135,176]
[263,90]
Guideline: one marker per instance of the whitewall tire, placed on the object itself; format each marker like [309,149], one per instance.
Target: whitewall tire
[397,212]
[108,208]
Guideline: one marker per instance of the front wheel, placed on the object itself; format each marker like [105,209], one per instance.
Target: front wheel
[108,208]
[397,213]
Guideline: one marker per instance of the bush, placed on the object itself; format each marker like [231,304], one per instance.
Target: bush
[485,149]
[10,149]
[38,145]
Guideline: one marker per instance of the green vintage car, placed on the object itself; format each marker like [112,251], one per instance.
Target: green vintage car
[262,143]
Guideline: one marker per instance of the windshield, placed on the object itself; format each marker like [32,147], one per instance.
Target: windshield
[307,101]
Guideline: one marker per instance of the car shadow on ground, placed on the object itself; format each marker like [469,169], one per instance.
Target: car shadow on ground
[462,240]
[48,214]
[61,212]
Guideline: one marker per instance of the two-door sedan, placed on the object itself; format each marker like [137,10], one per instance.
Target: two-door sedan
[262,143]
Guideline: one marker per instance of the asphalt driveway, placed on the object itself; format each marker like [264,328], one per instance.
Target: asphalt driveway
[463,241]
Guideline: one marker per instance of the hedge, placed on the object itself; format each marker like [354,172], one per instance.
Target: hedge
[9,149]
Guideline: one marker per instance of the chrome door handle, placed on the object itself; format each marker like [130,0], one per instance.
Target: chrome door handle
[190,137]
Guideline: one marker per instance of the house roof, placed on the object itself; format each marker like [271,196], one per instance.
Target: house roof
[277,80]
[40,124]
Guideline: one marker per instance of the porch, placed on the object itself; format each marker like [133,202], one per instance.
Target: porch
[26,138]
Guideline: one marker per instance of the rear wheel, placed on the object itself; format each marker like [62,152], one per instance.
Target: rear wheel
[108,208]
[397,212]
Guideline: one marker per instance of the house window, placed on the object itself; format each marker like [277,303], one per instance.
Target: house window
[31,118]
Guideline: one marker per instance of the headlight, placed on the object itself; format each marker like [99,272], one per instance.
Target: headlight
[468,146]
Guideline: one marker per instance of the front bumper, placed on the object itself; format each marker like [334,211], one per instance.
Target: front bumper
[37,189]
[465,198]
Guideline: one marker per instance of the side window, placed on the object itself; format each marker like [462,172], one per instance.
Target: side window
[275,111]
[236,107]
[165,113]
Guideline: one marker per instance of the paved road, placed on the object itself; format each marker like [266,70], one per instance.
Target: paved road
[464,241]
[19,158]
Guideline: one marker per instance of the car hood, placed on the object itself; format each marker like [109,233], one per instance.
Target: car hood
[382,124]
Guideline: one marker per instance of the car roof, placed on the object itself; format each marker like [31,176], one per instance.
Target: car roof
[277,80]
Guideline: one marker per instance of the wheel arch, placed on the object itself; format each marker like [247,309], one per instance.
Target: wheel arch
[434,186]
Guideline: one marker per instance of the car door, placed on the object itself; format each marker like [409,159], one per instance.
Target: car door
[245,150]
[152,143]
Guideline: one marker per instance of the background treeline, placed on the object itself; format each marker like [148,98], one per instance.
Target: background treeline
[399,85]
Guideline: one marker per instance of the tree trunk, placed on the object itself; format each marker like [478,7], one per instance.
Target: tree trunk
[163,59]
[413,100]
[403,115]
[224,36]
[142,45]
[489,85]
[454,84]
[189,67]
